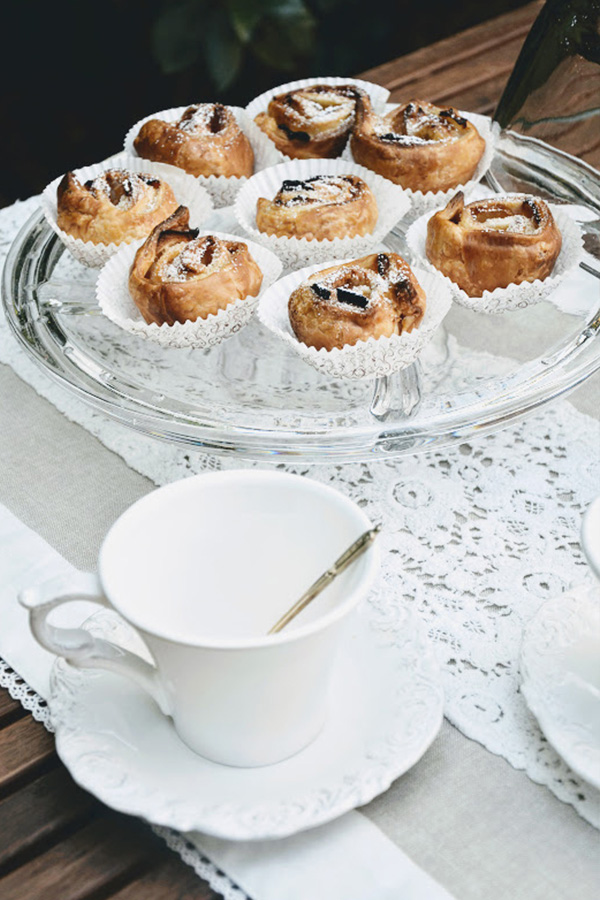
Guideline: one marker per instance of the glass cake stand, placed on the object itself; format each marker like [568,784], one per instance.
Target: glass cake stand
[253,397]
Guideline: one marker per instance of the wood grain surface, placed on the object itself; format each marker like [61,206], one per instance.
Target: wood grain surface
[56,841]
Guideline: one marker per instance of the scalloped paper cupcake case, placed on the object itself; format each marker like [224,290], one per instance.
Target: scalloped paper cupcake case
[222,189]
[365,359]
[114,299]
[378,95]
[515,296]
[186,189]
[392,202]
[422,202]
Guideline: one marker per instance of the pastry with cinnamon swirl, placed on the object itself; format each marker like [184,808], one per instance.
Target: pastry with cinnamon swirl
[205,140]
[319,208]
[311,122]
[494,242]
[180,276]
[115,206]
[375,296]
[417,145]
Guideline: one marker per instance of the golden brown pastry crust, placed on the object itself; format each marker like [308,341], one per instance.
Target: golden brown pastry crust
[206,140]
[417,145]
[494,242]
[177,276]
[319,208]
[114,207]
[375,296]
[312,122]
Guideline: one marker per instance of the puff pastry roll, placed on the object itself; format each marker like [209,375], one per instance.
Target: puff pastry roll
[311,122]
[206,140]
[494,242]
[322,208]
[179,276]
[417,145]
[375,296]
[113,207]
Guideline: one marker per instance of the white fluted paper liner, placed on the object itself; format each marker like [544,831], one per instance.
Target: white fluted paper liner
[186,189]
[114,299]
[221,188]
[392,205]
[423,201]
[378,95]
[515,296]
[365,359]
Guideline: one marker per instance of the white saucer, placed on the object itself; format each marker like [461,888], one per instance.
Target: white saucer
[386,709]
[560,668]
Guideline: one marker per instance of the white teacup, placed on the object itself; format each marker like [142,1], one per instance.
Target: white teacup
[202,569]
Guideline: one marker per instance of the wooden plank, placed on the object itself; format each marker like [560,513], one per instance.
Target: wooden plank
[459,48]
[25,748]
[95,861]
[40,813]
[171,880]
[10,709]
[592,156]
[481,98]
[486,74]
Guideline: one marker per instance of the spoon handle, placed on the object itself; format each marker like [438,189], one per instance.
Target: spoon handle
[348,556]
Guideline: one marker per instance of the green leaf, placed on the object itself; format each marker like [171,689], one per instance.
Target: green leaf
[245,15]
[222,48]
[327,5]
[176,35]
[287,34]
[297,24]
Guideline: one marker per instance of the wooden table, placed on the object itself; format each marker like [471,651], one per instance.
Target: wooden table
[56,841]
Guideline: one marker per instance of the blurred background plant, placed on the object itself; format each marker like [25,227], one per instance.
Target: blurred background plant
[76,75]
[280,34]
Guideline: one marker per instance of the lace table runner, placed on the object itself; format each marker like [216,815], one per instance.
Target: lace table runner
[476,538]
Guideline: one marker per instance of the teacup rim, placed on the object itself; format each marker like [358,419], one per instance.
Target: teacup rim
[370,561]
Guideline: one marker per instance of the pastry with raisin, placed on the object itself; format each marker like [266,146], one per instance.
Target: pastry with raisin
[417,145]
[372,297]
[493,243]
[179,275]
[323,207]
[113,207]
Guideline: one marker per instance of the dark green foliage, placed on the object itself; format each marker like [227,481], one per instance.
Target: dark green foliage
[279,33]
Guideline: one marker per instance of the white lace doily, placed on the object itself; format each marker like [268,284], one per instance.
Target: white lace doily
[476,537]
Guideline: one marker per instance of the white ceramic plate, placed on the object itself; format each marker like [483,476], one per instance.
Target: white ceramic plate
[560,669]
[590,536]
[386,709]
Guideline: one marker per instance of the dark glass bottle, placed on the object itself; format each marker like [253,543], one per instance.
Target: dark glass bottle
[553,92]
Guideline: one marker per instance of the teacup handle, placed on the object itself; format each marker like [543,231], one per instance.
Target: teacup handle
[78,646]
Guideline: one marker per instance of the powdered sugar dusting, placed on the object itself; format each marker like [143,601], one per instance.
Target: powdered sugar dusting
[518,224]
[321,190]
[322,106]
[415,125]
[126,189]
[208,120]
[373,285]
[198,258]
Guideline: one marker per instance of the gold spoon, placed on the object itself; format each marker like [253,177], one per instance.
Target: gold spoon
[348,556]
